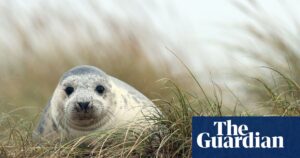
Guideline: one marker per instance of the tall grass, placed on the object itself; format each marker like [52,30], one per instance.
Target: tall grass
[274,47]
[170,137]
[31,72]
[31,76]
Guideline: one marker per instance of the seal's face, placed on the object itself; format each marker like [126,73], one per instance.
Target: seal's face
[87,97]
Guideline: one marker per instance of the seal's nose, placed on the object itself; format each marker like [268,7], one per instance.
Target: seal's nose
[83,105]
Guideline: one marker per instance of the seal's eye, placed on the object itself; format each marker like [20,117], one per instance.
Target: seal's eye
[100,89]
[69,90]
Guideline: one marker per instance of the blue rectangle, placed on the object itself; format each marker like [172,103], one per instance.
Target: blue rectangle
[246,137]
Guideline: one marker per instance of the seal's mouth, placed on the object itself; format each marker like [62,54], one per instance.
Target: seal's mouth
[83,122]
[83,125]
[79,121]
[86,121]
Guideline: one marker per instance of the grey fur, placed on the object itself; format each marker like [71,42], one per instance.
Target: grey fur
[41,124]
[83,70]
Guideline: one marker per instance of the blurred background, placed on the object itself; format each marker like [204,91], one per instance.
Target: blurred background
[142,42]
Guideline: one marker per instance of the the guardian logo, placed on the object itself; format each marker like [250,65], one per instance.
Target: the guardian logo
[245,137]
[230,135]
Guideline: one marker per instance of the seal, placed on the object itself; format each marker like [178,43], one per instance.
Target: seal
[87,99]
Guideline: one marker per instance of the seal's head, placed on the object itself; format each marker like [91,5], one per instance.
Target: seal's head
[83,98]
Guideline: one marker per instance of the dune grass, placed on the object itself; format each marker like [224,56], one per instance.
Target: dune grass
[30,78]
[171,136]
[26,87]
[274,48]
[22,101]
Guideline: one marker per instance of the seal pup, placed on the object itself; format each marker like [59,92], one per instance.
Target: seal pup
[87,99]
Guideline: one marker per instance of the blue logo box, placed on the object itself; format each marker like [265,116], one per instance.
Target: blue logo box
[246,137]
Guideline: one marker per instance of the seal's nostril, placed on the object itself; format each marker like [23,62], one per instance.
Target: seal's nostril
[83,105]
